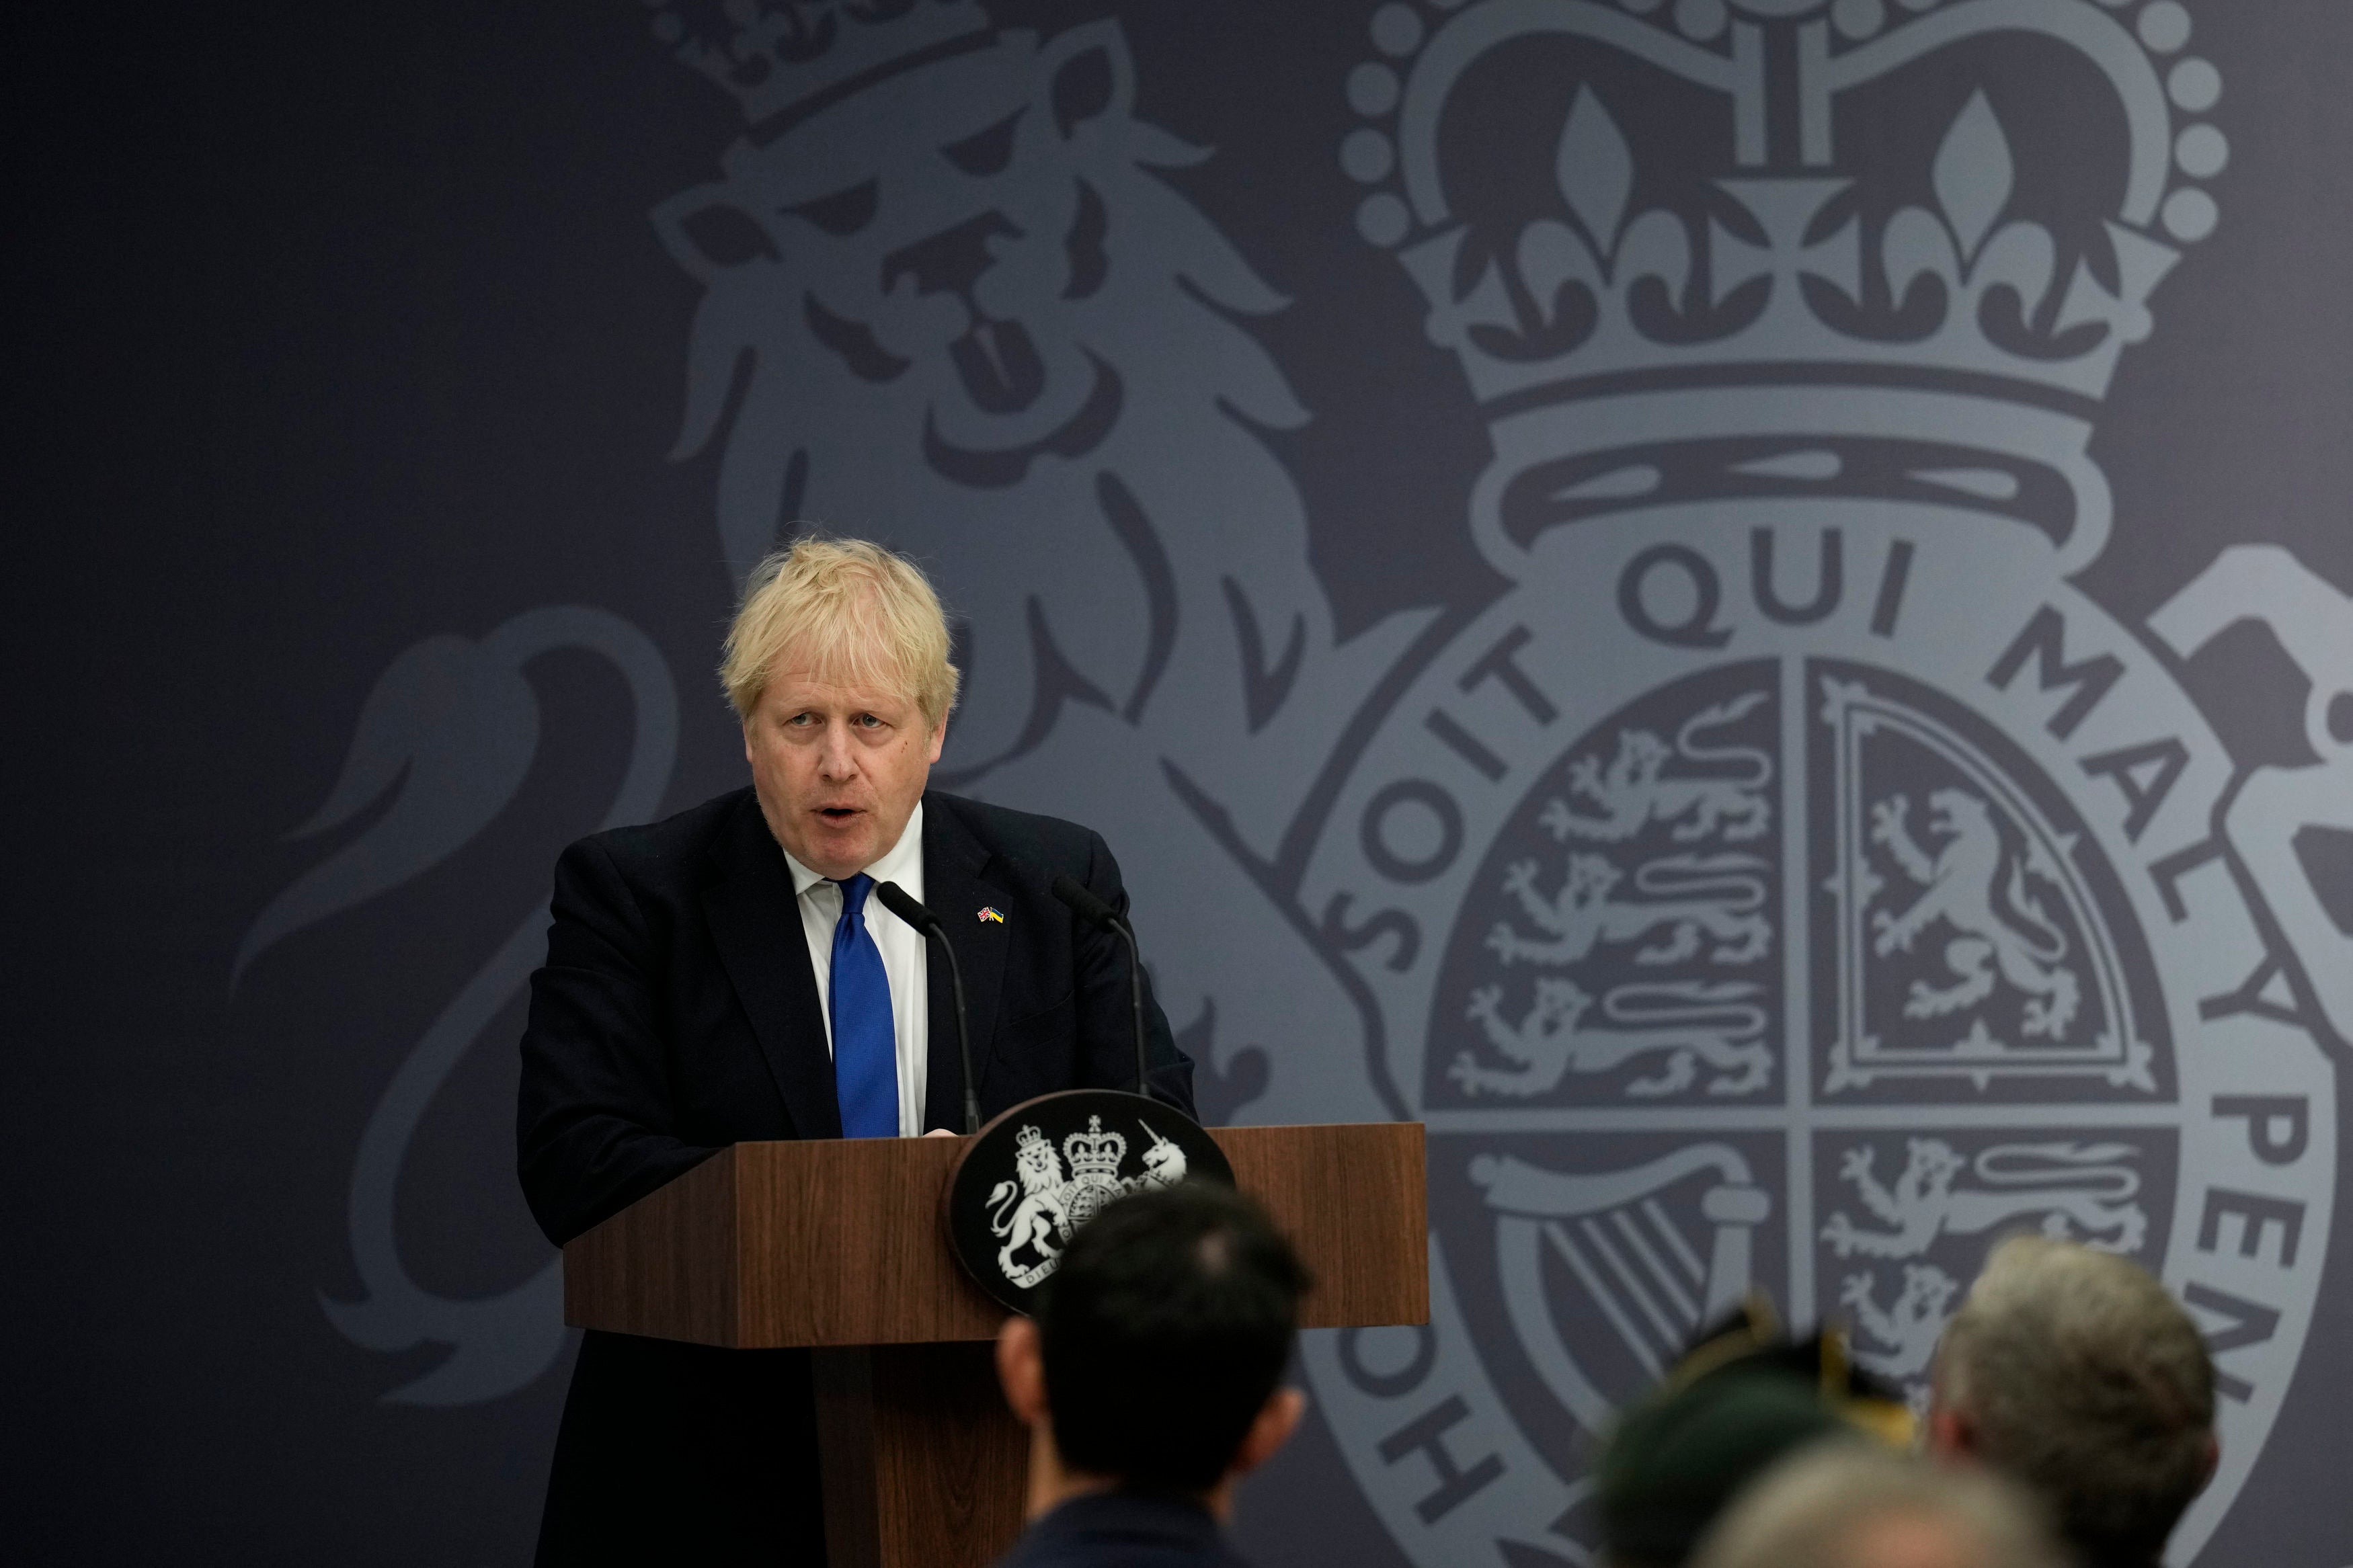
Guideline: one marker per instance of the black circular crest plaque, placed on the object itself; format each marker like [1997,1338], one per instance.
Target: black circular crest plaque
[1042,1170]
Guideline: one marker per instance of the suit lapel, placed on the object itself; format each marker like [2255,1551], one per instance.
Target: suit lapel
[954,889]
[756,924]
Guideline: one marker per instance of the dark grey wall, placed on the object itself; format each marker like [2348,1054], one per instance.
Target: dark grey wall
[1322,532]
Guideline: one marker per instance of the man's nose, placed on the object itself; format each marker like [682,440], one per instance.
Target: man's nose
[836,758]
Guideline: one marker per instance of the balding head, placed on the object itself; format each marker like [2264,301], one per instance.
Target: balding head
[1853,1505]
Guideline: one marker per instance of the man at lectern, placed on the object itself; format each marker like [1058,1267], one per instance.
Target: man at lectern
[726,976]
[1150,1380]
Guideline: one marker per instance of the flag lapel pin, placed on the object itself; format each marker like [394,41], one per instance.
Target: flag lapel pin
[989,913]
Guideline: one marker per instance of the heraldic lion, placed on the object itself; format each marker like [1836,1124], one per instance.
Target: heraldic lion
[962,308]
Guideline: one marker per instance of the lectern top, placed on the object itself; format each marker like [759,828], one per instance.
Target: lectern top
[838,1242]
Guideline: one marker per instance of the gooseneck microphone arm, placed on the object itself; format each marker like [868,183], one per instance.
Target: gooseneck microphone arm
[1087,906]
[894,898]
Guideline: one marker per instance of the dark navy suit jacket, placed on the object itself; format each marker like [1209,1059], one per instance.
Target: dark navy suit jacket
[678,1014]
[1124,1530]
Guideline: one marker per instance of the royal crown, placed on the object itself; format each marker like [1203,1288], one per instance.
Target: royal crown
[791,56]
[1094,1155]
[1743,234]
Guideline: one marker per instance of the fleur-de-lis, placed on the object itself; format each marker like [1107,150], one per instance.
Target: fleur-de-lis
[1594,170]
[1973,175]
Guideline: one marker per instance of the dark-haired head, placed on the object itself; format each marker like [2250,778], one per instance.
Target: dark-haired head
[1162,1339]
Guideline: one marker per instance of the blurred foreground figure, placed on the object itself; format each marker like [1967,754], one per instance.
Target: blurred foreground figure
[1851,1506]
[1744,1398]
[1149,1380]
[2074,1373]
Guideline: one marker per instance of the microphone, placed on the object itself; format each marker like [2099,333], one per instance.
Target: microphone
[1083,903]
[894,898]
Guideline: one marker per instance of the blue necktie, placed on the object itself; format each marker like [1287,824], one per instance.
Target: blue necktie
[865,1046]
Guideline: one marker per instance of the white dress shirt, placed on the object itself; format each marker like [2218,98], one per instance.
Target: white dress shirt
[905,963]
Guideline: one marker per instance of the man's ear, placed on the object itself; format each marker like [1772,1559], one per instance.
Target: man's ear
[1950,1435]
[1277,1419]
[2213,1459]
[1021,1371]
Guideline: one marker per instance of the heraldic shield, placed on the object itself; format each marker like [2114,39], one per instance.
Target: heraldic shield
[1812,970]
[1621,955]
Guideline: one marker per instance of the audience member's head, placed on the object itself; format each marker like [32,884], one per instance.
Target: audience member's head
[1855,1505]
[2072,1371]
[1675,1462]
[1744,1398]
[1155,1360]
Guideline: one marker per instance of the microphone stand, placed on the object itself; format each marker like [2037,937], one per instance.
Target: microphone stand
[1083,902]
[895,899]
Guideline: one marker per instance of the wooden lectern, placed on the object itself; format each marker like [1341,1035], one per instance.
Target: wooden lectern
[837,1245]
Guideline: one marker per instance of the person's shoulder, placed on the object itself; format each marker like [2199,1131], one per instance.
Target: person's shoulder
[1121,1528]
[675,847]
[1051,842]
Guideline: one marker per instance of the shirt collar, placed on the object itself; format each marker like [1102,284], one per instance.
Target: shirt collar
[901,863]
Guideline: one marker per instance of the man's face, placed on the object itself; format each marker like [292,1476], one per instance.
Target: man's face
[837,767]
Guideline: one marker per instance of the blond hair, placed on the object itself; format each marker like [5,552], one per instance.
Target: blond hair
[861,614]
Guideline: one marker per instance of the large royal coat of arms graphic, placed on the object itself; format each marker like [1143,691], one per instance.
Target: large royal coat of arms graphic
[1792,879]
